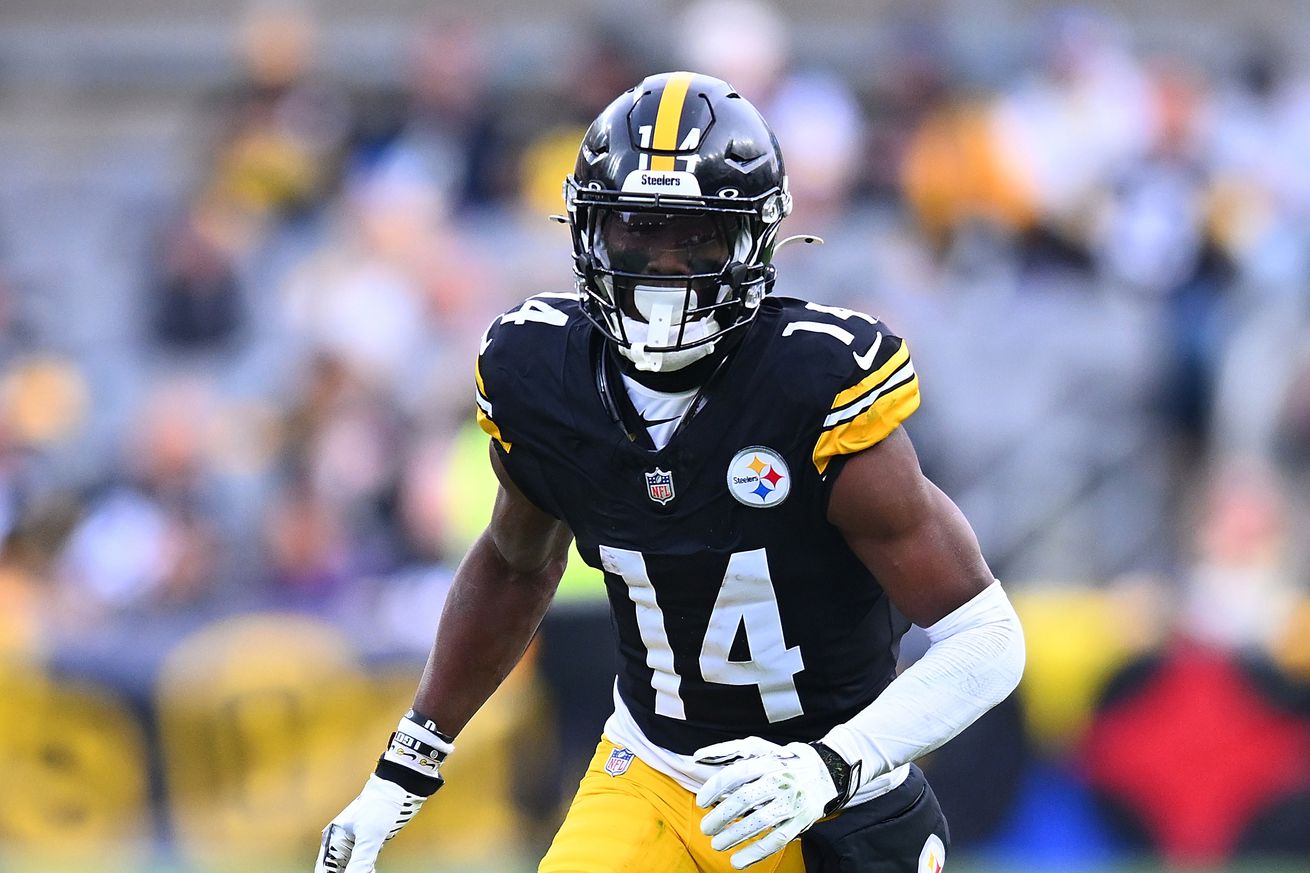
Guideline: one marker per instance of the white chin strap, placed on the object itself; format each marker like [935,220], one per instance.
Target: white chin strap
[663,309]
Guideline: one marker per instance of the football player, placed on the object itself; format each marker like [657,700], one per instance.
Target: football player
[733,462]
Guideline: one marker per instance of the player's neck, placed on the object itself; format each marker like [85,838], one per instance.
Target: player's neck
[689,377]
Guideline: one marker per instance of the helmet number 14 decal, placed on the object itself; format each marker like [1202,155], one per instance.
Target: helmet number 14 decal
[689,143]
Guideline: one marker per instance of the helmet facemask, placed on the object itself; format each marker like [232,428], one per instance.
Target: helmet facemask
[664,277]
[665,286]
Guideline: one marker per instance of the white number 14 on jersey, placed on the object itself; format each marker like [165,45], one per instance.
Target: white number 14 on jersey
[746,600]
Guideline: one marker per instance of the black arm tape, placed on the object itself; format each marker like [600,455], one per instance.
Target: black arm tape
[424,721]
[845,778]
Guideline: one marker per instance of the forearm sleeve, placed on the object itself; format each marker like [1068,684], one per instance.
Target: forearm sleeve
[975,659]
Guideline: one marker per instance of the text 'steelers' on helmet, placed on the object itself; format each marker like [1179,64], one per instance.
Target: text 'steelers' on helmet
[674,208]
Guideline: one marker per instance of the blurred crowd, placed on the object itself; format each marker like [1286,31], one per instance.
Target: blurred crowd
[1097,250]
[239,308]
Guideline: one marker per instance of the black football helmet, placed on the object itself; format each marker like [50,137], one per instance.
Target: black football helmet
[674,208]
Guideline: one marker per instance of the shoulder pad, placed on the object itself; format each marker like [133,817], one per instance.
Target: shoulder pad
[529,339]
[864,381]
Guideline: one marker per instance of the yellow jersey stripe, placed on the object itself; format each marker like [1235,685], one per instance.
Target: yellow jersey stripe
[492,429]
[891,383]
[484,420]
[874,379]
[868,428]
[668,119]
[477,377]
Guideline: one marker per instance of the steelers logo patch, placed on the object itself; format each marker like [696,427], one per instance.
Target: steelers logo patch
[758,477]
[933,857]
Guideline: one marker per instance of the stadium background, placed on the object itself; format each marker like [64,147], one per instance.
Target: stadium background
[245,256]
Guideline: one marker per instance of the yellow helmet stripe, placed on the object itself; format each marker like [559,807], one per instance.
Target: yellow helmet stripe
[668,119]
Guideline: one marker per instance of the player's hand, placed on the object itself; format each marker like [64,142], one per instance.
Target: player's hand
[352,841]
[408,773]
[763,787]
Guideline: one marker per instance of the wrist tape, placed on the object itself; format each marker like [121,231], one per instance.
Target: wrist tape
[414,755]
[845,778]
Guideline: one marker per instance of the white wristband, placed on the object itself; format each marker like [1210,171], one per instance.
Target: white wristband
[418,746]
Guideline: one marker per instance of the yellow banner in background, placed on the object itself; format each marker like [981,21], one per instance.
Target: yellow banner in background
[74,760]
[267,726]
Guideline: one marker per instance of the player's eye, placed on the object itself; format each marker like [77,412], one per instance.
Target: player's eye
[697,238]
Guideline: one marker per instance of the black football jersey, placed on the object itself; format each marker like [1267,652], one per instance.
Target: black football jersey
[740,610]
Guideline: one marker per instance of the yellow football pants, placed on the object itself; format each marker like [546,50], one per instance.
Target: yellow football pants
[641,821]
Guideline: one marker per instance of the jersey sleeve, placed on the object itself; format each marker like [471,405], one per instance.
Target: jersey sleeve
[516,388]
[875,390]
[521,344]
[486,409]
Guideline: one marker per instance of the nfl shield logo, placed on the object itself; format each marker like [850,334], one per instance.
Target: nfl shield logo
[659,485]
[618,762]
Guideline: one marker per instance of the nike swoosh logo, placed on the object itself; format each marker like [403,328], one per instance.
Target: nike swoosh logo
[649,423]
[866,360]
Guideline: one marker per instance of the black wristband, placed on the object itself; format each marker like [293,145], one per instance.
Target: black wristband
[414,754]
[408,779]
[430,724]
[845,778]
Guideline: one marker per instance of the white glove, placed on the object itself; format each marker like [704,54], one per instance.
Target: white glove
[352,841]
[411,763]
[763,785]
